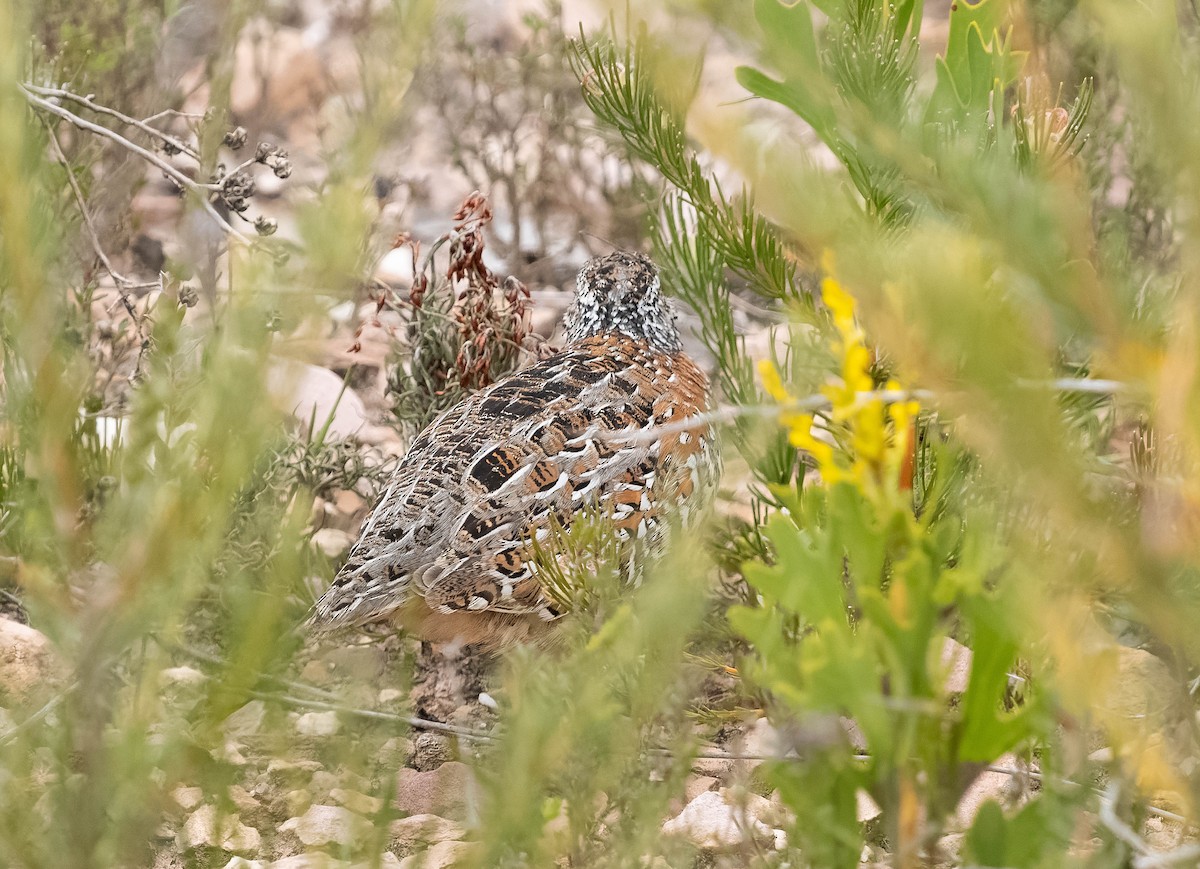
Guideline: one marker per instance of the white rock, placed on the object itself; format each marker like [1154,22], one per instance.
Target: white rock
[390,695]
[710,821]
[181,677]
[359,803]
[309,861]
[318,724]
[866,807]
[1143,690]
[956,664]
[325,825]
[201,830]
[188,798]
[243,863]
[333,542]
[310,393]
[315,860]
[429,829]
[988,785]
[247,720]
[396,267]
[28,663]
[762,739]
[443,855]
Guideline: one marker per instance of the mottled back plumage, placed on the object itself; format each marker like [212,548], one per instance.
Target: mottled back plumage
[445,553]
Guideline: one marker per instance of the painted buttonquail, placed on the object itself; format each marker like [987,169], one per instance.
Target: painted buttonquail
[445,553]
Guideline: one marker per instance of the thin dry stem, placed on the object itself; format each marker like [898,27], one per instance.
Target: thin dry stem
[201,190]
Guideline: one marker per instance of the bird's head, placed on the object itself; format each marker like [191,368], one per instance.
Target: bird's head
[620,292]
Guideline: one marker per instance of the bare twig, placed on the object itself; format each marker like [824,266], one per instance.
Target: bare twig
[123,283]
[173,113]
[373,714]
[199,655]
[819,402]
[1108,817]
[144,126]
[1077,384]
[202,191]
[1187,855]
[13,732]
[730,412]
[757,311]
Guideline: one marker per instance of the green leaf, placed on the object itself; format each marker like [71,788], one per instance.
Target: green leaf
[987,836]
[987,733]
[978,63]
[1022,841]
[805,579]
[790,45]
[788,38]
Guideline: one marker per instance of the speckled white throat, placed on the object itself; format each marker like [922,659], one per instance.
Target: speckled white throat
[621,293]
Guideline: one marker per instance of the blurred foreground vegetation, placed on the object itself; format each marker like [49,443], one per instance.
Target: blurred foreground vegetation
[944,266]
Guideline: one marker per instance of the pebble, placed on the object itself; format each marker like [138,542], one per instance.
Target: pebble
[715,821]
[427,829]
[188,798]
[443,791]
[201,830]
[396,267]
[698,784]
[866,809]
[430,750]
[359,803]
[29,666]
[988,786]
[395,750]
[332,542]
[243,863]
[230,753]
[763,739]
[247,720]
[310,393]
[291,773]
[181,677]
[716,767]
[327,825]
[441,856]
[318,724]
[297,801]
[1143,690]
[363,663]
[243,799]
[956,662]
[388,696]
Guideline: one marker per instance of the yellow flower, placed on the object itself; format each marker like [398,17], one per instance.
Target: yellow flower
[878,433]
[840,304]
[772,382]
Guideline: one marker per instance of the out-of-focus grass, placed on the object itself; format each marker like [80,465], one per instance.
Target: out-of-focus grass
[989,267]
[981,275]
[177,530]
